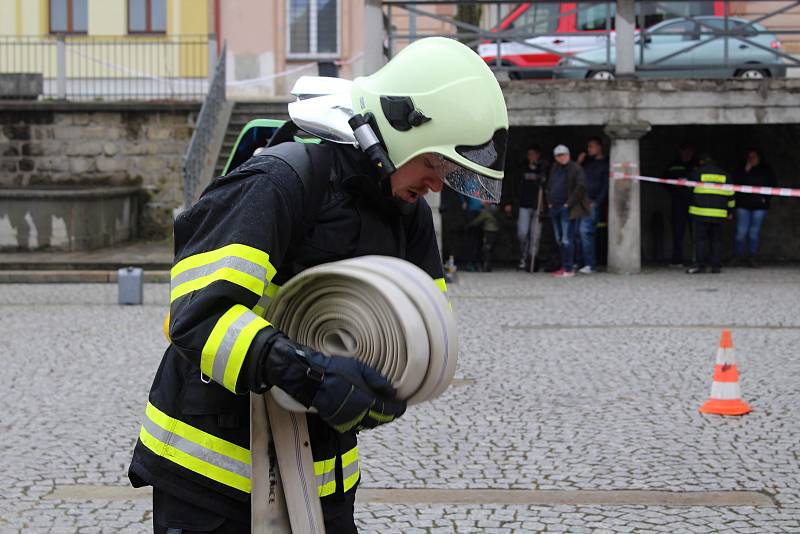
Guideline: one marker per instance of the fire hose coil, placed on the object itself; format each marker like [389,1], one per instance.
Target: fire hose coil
[384,311]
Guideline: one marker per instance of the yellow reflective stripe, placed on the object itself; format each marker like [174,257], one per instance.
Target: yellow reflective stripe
[350,481]
[196,450]
[349,457]
[194,464]
[717,178]
[329,488]
[259,310]
[350,469]
[241,251]
[380,417]
[711,191]
[323,466]
[230,275]
[732,203]
[209,441]
[227,345]
[442,284]
[272,290]
[325,472]
[239,264]
[708,212]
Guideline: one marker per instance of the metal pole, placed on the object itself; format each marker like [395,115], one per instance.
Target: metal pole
[212,56]
[727,14]
[373,36]
[625,24]
[61,67]
[497,60]
[412,25]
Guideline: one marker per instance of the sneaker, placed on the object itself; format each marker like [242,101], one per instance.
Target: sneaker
[716,270]
[696,270]
[751,262]
[565,274]
[558,273]
[521,266]
[586,270]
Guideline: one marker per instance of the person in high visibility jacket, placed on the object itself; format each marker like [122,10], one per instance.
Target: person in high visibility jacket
[433,116]
[710,207]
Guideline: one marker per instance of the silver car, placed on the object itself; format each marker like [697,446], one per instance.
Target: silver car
[682,48]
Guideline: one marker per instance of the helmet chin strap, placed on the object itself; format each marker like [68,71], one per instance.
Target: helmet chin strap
[364,130]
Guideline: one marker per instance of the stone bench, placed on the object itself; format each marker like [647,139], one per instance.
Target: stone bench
[67,219]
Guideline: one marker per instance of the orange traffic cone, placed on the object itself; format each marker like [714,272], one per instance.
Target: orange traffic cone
[725,394]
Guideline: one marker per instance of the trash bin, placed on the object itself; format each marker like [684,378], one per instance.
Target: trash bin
[130,282]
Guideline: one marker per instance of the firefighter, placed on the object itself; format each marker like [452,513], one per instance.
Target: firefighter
[710,207]
[434,115]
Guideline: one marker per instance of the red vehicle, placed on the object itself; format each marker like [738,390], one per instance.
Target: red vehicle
[572,27]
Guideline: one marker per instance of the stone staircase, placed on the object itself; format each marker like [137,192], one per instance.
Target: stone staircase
[244,112]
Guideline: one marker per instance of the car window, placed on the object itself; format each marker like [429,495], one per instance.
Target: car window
[684,28]
[594,16]
[734,26]
[539,18]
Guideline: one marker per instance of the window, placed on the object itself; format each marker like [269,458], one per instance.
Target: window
[313,27]
[147,16]
[594,16]
[540,18]
[68,16]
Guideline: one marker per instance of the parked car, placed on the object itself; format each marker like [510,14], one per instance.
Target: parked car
[689,48]
[560,28]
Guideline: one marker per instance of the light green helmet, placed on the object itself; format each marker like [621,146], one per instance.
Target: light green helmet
[438,96]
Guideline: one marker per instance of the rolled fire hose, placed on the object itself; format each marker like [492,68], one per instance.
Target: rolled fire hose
[384,311]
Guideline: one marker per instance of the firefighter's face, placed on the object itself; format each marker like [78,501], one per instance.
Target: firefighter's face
[417,177]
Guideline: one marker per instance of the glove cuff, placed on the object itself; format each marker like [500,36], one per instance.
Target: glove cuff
[294,368]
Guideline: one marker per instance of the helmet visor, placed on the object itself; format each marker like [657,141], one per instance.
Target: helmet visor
[468,182]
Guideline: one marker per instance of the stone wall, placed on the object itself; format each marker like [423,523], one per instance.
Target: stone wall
[93,145]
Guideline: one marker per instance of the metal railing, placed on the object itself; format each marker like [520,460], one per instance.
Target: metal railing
[197,154]
[540,44]
[82,67]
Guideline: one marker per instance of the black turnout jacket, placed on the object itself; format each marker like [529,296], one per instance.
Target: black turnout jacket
[250,232]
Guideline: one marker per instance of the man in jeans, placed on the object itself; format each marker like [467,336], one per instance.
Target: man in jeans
[595,167]
[567,202]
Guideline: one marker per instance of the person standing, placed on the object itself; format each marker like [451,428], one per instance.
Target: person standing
[471,208]
[680,198]
[567,203]
[595,168]
[709,208]
[530,196]
[751,209]
[433,116]
[486,223]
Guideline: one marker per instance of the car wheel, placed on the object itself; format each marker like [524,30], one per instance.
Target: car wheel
[752,74]
[601,75]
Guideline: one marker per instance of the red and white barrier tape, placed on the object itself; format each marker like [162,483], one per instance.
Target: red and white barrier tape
[627,174]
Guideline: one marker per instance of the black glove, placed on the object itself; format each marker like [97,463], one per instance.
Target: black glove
[347,393]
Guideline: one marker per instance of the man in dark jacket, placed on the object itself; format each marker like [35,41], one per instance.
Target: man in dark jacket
[595,167]
[525,191]
[710,207]
[680,198]
[567,203]
[292,207]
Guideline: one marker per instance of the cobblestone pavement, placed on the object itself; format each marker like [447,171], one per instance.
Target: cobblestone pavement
[590,383]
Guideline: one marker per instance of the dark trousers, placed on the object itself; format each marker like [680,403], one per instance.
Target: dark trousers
[679,219]
[174,516]
[707,235]
[487,246]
